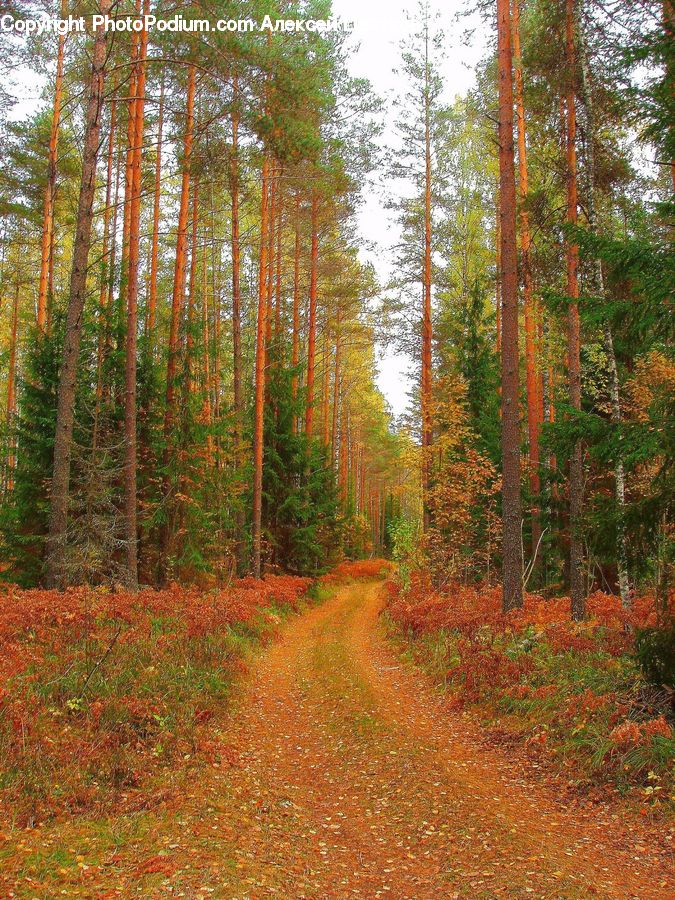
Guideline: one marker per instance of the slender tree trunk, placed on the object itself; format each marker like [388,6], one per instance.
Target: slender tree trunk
[176,307]
[130,412]
[46,256]
[181,262]
[614,387]
[215,291]
[311,338]
[336,386]
[236,277]
[128,181]
[576,473]
[191,297]
[206,348]
[295,338]
[65,414]
[325,392]
[106,264]
[11,387]
[511,507]
[260,364]
[113,251]
[156,216]
[426,380]
[273,181]
[236,313]
[277,277]
[498,277]
[343,467]
[531,362]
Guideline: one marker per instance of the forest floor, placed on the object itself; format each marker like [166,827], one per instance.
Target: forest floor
[346,775]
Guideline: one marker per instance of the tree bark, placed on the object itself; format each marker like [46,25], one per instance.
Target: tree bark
[176,307]
[576,474]
[277,277]
[295,337]
[236,276]
[65,414]
[106,270]
[190,384]
[426,380]
[336,387]
[130,412]
[11,387]
[325,389]
[311,337]
[46,255]
[260,365]
[273,190]
[511,504]
[498,277]
[181,260]
[156,215]
[531,362]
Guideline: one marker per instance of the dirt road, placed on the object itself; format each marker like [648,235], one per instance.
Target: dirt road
[348,778]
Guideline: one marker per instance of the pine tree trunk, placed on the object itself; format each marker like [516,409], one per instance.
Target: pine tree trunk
[426,380]
[128,182]
[325,392]
[295,338]
[130,412]
[236,277]
[237,385]
[273,181]
[106,265]
[311,337]
[190,383]
[156,215]
[277,278]
[343,469]
[531,362]
[498,277]
[207,406]
[336,387]
[176,308]
[576,474]
[46,256]
[511,506]
[65,415]
[11,387]
[260,365]
[181,262]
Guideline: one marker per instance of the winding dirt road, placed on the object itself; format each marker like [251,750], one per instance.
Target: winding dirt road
[348,778]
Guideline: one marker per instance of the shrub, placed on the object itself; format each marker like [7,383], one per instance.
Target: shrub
[655,652]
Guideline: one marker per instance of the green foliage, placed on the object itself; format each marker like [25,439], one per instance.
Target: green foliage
[655,652]
[25,510]
[300,510]
[405,541]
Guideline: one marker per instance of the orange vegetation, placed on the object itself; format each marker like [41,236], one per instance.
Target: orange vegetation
[573,688]
[100,689]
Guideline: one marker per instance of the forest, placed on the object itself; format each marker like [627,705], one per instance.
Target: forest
[202,474]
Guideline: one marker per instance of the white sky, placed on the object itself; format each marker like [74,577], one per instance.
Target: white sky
[379,26]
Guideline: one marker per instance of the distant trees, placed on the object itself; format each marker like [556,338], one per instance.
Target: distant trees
[196,331]
[549,274]
[188,344]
